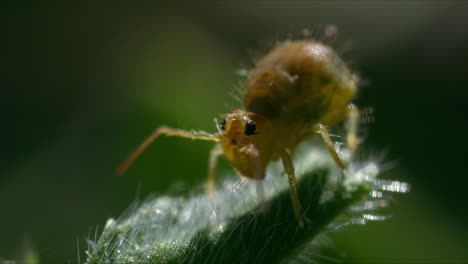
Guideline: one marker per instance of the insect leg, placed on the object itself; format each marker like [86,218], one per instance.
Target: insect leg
[215,152]
[352,127]
[289,168]
[164,131]
[261,195]
[239,183]
[326,137]
[259,175]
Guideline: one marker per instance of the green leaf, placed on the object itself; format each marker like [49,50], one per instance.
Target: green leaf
[230,227]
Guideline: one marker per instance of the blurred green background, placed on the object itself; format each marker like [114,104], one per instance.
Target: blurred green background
[85,83]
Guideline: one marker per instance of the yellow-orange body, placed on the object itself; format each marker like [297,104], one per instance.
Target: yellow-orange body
[293,89]
[294,92]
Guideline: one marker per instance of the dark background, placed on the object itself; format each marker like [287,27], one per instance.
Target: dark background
[85,83]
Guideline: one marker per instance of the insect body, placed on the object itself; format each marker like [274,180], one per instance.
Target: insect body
[295,92]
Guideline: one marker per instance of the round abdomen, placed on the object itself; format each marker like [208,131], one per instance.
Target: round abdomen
[301,82]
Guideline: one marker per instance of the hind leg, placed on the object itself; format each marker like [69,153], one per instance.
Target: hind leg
[323,131]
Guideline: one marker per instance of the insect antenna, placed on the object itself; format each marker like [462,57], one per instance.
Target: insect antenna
[166,131]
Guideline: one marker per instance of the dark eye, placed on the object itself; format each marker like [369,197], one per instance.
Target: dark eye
[250,128]
[223,123]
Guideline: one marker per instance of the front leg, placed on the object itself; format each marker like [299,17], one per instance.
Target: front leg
[323,131]
[258,173]
[215,152]
[289,168]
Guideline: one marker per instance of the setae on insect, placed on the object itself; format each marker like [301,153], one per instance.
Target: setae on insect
[296,91]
